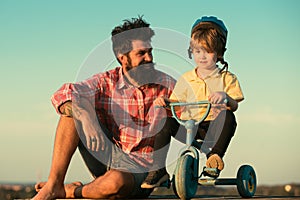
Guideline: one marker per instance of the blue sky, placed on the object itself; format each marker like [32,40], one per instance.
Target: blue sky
[45,44]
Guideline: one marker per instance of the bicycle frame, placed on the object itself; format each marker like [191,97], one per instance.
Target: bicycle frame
[190,124]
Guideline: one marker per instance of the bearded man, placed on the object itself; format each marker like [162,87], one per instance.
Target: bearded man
[111,119]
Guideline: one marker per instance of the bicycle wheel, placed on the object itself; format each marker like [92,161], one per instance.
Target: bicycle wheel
[246,181]
[185,180]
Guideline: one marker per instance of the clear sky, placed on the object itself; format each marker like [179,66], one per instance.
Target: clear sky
[44,44]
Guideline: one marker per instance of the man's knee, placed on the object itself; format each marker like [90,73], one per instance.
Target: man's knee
[121,183]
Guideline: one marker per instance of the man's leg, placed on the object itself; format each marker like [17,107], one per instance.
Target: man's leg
[66,141]
[158,174]
[113,184]
[108,183]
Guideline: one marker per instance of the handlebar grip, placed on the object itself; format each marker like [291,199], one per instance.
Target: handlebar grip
[167,103]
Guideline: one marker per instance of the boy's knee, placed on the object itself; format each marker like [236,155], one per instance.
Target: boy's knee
[229,117]
[231,121]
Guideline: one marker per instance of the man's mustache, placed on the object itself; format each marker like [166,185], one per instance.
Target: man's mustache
[147,66]
[142,66]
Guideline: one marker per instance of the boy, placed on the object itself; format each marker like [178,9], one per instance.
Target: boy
[206,82]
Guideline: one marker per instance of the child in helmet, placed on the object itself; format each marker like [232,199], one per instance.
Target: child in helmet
[205,82]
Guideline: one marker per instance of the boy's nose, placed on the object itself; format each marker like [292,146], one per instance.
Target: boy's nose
[203,55]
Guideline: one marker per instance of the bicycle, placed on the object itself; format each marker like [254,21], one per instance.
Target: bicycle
[186,176]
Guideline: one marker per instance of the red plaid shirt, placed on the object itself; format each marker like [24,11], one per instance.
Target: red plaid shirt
[126,111]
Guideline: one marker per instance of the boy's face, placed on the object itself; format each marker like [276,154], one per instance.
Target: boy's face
[203,59]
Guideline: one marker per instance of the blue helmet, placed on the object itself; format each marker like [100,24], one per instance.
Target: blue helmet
[214,21]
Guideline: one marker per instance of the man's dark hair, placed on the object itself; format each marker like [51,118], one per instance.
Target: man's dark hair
[123,35]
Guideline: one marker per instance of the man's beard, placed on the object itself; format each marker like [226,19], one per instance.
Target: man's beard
[143,74]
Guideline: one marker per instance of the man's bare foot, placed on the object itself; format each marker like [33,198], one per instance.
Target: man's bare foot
[39,186]
[69,189]
[47,191]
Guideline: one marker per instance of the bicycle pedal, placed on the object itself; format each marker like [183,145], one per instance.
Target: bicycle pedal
[211,172]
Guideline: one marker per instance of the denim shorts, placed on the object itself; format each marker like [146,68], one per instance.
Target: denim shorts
[113,157]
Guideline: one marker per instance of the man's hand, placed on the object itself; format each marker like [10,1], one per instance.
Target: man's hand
[86,114]
[92,131]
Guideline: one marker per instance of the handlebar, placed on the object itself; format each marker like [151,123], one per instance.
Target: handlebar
[198,103]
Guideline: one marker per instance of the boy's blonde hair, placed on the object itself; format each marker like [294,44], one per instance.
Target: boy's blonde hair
[212,38]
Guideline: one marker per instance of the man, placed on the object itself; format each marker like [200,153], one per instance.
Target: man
[111,119]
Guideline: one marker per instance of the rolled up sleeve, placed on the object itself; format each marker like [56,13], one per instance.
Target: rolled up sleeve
[74,91]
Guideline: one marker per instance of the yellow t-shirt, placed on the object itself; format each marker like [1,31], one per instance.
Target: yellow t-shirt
[191,88]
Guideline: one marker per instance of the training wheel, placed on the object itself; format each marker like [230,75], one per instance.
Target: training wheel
[246,181]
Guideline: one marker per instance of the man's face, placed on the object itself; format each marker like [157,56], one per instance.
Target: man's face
[138,63]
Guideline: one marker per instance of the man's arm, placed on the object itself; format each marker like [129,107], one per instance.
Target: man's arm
[86,114]
[66,109]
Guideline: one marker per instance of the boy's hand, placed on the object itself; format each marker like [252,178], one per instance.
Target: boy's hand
[217,97]
[223,99]
[160,101]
